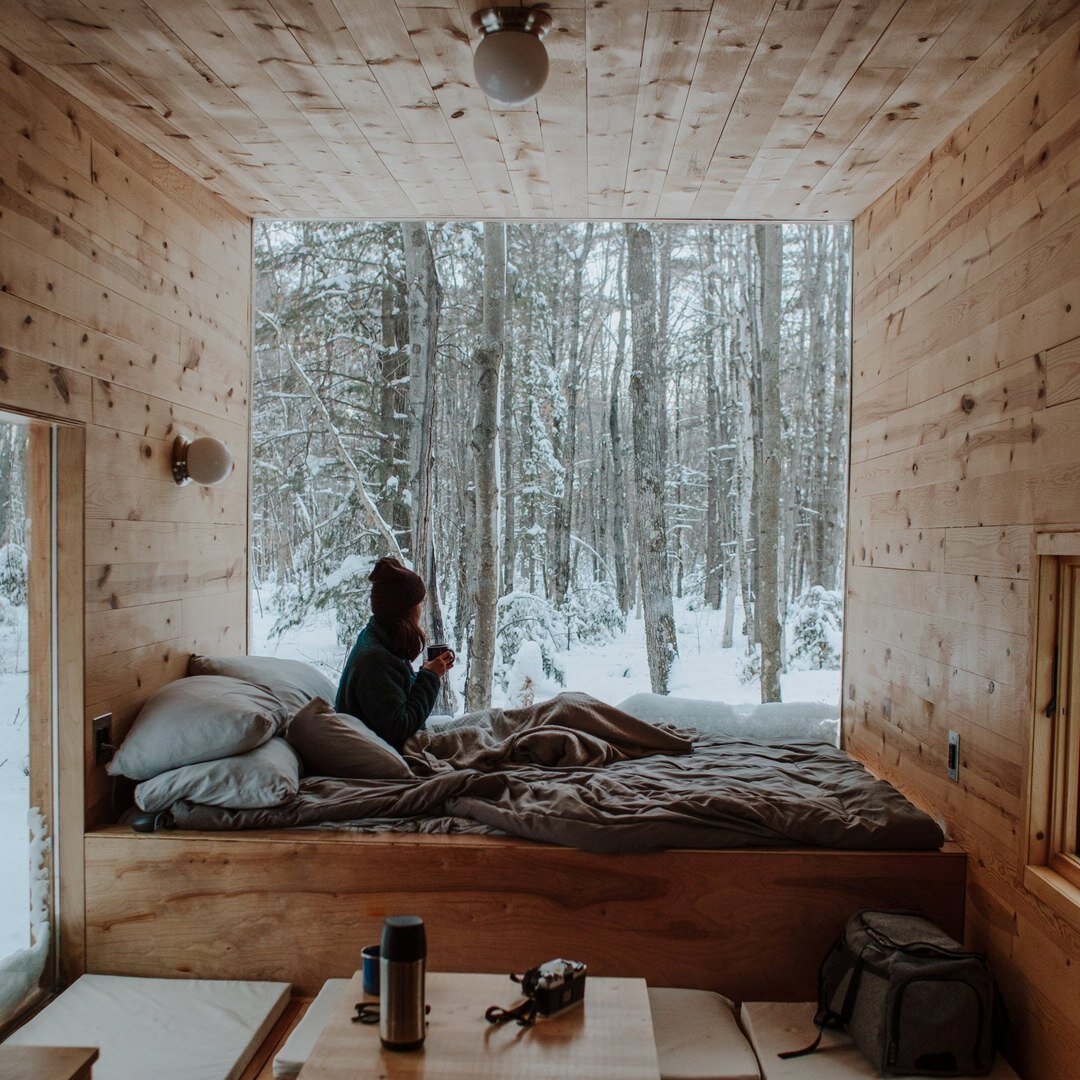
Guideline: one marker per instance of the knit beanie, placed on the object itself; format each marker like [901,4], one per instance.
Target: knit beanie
[394,589]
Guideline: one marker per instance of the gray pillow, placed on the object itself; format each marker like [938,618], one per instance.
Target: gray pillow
[293,682]
[335,744]
[197,719]
[265,776]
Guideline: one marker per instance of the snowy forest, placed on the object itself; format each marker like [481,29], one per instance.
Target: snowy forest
[560,426]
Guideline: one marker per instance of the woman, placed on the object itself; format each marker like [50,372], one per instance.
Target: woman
[378,685]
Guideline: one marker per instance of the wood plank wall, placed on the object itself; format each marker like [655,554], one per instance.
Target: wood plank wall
[965,438]
[125,307]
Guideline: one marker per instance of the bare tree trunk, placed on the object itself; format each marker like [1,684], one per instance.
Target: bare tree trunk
[393,398]
[713,568]
[487,359]
[507,444]
[769,239]
[564,509]
[424,305]
[618,482]
[646,389]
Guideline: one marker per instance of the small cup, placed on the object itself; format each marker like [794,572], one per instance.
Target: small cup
[436,650]
[369,961]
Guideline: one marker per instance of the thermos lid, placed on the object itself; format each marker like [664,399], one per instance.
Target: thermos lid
[403,938]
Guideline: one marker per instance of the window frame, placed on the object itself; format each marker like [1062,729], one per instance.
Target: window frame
[56,478]
[1052,868]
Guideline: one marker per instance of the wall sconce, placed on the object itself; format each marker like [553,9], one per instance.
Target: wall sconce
[511,63]
[206,461]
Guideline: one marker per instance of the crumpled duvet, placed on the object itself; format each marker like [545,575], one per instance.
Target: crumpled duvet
[578,772]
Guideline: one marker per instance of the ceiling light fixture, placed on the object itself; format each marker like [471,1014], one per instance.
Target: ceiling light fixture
[511,63]
[206,461]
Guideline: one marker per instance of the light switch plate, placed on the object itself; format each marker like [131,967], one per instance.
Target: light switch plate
[954,756]
[102,729]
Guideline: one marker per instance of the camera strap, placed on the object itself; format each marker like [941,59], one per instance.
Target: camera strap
[524,1012]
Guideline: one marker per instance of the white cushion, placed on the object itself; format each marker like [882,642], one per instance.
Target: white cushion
[698,1037]
[292,1057]
[776,1026]
[160,1029]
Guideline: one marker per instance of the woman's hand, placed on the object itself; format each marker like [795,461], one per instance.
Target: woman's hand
[441,664]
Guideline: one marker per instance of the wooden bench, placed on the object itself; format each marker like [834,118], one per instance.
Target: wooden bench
[298,905]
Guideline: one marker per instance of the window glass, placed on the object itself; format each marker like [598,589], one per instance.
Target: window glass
[25,711]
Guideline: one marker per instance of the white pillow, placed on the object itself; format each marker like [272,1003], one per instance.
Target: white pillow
[265,776]
[200,718]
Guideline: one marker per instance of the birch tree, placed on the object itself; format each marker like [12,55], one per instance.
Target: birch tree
[486,361]
[768,242]
[645,391]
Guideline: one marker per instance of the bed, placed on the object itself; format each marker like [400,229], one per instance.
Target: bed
[751,918]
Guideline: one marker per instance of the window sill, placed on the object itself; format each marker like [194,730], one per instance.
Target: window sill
[1055,891]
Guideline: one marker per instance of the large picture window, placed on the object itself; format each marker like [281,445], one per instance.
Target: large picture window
[616,452]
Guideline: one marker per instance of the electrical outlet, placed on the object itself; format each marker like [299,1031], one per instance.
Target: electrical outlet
[954,756]
[102,728]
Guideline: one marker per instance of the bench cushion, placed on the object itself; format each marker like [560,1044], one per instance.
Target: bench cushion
[698,1038]
[160,1029]
[292,1056]
[776,1026]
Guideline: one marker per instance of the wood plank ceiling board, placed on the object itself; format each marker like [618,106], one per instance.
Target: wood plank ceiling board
[614,40]
[789,109]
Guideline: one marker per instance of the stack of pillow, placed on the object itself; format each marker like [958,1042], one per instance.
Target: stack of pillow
[240,732]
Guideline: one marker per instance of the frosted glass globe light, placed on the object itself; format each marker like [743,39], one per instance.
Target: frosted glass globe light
[206,461]
[511,66]
[511,63]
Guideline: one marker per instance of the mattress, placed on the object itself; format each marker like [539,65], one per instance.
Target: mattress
[160,1029]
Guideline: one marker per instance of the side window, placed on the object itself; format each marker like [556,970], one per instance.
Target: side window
[1054,820]
[26,712]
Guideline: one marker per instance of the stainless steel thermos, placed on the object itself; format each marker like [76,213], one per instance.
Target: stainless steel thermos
[402,960]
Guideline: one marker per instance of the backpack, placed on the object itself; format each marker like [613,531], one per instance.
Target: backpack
[914,1000]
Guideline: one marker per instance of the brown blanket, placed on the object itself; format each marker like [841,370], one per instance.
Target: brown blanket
[569,730]
[618,784]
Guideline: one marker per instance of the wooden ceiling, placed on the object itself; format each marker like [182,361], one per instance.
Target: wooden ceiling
[793,109]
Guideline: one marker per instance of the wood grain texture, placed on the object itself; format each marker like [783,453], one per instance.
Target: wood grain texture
[965,425]
[367,108]
[609,1036]
[298,906]
[125,315]
[47,1062]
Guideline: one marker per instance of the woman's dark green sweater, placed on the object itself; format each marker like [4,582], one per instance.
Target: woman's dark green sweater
[382,690]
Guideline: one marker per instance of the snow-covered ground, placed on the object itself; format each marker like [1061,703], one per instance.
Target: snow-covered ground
[611,671]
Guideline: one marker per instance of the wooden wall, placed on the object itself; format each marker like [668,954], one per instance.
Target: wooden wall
[124,308]
[965,438]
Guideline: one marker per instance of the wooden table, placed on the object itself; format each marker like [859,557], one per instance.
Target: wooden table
[608,1037]
[47,1062]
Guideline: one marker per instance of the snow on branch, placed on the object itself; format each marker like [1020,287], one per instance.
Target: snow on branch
[375,519]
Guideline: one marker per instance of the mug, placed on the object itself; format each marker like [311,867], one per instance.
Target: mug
[369,969]
[436,650]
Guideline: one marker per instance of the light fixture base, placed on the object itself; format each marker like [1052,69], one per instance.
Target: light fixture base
[179,460]
[528,20]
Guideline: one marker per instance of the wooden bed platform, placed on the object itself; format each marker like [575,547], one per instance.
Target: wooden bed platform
[298,905]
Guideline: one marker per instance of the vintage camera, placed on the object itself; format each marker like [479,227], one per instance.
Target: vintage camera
[555,985]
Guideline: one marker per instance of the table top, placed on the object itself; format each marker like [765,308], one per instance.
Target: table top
[46,1062]
[608,1037]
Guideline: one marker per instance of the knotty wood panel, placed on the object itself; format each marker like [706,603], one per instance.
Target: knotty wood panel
[965,424]
[653,108]
[125,309]
[299,906]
